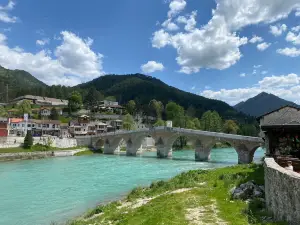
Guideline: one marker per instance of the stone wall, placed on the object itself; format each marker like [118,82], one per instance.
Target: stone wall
[10,142]
[282,190]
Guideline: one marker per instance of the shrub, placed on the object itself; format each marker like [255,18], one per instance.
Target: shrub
[28,140]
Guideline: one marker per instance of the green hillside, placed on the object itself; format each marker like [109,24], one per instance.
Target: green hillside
[143,89]
[18,82]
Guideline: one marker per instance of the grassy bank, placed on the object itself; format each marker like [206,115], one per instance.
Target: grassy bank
[194,197]
[34,149]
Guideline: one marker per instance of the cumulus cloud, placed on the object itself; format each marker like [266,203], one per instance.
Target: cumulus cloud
[296,29]
[151,67]
[75,62]
[293,38]
[216,45]
[291,52]
[257,66]
[190,22]
[284,86]
[242,75]
[4,13]
[264,72]
[256,39]
[169,25]
[263,46]
[278,29]
[43,42]
[176,6]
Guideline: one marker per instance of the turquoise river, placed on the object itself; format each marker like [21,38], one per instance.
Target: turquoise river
[39,192]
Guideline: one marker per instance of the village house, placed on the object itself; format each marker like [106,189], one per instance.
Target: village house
[110,106]
[4,127]
[38,100]
[19,127]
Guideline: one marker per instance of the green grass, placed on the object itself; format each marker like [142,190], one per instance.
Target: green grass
[34,149]
[87,152]
[172,208]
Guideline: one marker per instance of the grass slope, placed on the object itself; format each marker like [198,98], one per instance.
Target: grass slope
[194,197]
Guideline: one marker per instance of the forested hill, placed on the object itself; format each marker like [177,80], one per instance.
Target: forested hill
[261,104]
[143,89]
[18,81]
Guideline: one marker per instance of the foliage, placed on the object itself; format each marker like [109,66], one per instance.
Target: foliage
[93,98]
[54,114]
[65,119]
[175,113]
[24,107]
[211,121]
[157,107]
[28,140]
[131,107]
[197,123]
[87,152]
[230,127]
[111,98]
[128,122]
[3,112]
[75,101]
[190,123]
[248,130]
[191,111]
[40,147]
[160,123]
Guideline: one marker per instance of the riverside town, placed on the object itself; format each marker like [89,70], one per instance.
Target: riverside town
[150,112]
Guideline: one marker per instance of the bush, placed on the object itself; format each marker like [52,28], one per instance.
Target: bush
[40,147]
[28,140]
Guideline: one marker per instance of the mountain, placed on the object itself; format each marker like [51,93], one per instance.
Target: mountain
[18,81]
[143,89]
[261,104]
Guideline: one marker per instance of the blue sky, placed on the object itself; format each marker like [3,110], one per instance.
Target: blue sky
[204,47]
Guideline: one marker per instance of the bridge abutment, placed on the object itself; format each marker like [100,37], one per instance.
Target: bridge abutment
[133,146]
[112,145]
[245,151]
[203,148]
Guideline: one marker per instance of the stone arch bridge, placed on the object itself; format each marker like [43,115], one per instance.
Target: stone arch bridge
[164,137]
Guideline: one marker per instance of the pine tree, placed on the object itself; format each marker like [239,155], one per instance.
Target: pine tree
[54,114]
[28,140]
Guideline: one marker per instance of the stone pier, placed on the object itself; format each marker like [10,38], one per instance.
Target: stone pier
[203,148]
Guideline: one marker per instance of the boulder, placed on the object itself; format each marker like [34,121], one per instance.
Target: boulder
[248,190]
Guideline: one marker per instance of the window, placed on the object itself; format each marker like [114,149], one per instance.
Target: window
[53,126]
[23,125]
[33,125]
[28,125]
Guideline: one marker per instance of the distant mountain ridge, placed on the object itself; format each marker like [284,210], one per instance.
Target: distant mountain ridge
[262,104]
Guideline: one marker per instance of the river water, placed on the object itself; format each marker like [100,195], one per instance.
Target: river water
[38,192]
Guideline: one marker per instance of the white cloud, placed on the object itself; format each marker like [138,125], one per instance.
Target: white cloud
[169,25]
[160,39]
[176,6]
[296,29]
[254,72]
[216,45]
[190,22]
[279,81]
[297,13]
[257,66]
[75,61]
[284,86]
[293,38]
[242,75]
[278,29]
[264,72]
[193,88]
[256,39]
[263,46]
[291,52]
[43,42]
[151,67]
[4,15]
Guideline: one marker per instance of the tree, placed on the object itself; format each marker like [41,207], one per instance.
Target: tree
[191,111]
[111,98]
[158,107]
[128,122]
[75,101]
[230,127]
[131,107]
[3,111]
[28,140]
[211,121]
[160,123]
[175,113]
[24,107]
[197,123]
[190,123]
[93,98]
[248,130]
[54,114]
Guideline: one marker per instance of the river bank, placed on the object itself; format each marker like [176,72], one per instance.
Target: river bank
[23,154]
[194,197]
